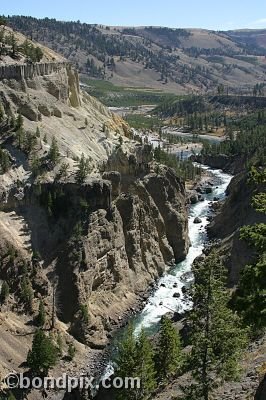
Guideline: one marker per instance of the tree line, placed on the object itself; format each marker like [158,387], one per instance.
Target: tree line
[9,46]
[216,335]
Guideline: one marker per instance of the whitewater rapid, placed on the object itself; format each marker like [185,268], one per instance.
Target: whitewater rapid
[162,300]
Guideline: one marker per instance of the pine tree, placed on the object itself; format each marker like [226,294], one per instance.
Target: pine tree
[126,363]
[30,143]
[83,169]
[26,292]
[63,171]
[12,41]
[53,154]
[120,140]
[43,355]
[2,21]
[168,357]
[84,313]
[217,337]
[38,54]
[19,121]
[41,317]
[71,351]
[145,368]
[38,133]
[11,396]
[35,166]
[5,163]
[20,138]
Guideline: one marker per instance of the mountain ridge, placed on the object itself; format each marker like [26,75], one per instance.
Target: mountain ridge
[172,60]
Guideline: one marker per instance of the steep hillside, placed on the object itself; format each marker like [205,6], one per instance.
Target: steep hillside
[173,60]
[236,212]
[84,230]
[46,97]
[254,40]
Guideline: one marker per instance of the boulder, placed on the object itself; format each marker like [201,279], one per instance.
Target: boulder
[28,111]
[184,290]
[194,199]
[197,220]
[199,190]
[57,113]
[176,295]
[177,317]
[187,276]
[44,110]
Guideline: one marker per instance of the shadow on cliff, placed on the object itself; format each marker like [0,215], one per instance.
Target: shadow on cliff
[261,391]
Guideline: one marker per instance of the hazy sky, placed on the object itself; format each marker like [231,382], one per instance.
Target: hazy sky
[212,14]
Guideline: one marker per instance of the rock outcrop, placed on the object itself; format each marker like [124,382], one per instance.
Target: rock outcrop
[236,211]
[125,249]
[230,164]
[103,246]
[22,71]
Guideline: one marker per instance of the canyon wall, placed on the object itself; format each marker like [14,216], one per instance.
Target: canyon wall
[30,70]
[235,212]
[102,245]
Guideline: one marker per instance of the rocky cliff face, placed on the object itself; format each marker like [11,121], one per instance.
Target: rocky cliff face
[236,212]
[103,254]
[230,164]
[91,250]
[48,97]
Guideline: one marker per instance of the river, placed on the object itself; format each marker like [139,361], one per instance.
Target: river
[187,135]
[163,300]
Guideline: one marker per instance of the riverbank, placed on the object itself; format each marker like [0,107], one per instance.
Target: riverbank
[97,362]
[169,293]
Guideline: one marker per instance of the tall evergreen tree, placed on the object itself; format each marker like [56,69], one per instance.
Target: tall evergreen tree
[19,121]
[168,357]
[5,163]
[83,169]
[217,336]
[38,132]
[20,138]
[26,292]
[41,317]
[53,154]
[126,363]
[135,359]
[43,355]
[145,368]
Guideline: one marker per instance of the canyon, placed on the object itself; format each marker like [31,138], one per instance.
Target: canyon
[101,233]
[97,245]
